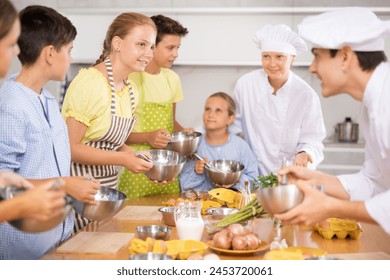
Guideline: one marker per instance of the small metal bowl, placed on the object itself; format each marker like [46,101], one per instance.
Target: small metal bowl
[224,172]
[109,202]
[166,165]
[222,212]
[279,199]
[184,143]
[153,231]
[168,214]
[151,256]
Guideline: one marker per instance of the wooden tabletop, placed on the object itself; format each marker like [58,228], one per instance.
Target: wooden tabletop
[374,243]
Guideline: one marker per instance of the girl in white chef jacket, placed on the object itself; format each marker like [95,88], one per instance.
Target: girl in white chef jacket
[278,113]
[349,58]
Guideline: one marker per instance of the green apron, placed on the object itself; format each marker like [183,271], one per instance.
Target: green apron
[153,116]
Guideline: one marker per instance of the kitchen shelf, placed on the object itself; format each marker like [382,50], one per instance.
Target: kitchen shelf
[231,63]
[208,63]
[340,167]
[342,158]
[210,10]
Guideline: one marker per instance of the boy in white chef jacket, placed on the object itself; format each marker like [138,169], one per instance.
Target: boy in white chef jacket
[348,48]
[278,113]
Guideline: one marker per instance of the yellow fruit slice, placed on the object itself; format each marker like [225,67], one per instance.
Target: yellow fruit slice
[223,194]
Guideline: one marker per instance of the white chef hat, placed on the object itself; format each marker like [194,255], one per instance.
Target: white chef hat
[356,27]
[279,38]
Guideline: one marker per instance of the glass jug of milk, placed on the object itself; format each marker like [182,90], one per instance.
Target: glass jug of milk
[189,222]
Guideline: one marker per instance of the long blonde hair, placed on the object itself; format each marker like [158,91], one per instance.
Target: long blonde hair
[122,26]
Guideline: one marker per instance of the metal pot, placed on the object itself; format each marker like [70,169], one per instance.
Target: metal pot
[347,131]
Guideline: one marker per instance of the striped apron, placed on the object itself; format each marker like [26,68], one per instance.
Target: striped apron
[115,137]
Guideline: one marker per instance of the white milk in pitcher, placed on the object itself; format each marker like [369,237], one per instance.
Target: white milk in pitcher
[190,228]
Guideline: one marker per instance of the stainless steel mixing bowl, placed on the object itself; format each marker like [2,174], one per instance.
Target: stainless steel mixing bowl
[151,256]
[224,172]
[153,231]
[168,214]
[30,224]
[109,202]
[279,199]
[166,165]
[184,143]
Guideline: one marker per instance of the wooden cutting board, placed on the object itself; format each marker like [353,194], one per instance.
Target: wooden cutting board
[96,243]
[139,213]
[363,256]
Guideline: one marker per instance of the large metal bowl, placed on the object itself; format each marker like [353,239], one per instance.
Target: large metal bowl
[279,199]
[184,143]
[30,224]
[224,172]
[166,165]
[109,202]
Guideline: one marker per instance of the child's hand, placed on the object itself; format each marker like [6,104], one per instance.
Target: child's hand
[199,166]
[159,138]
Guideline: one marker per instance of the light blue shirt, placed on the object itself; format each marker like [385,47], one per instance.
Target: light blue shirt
[234,149]
[33,148]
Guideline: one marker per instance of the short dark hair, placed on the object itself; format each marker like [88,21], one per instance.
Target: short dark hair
[8,16]
[367,60]
[40,27]
[168,26]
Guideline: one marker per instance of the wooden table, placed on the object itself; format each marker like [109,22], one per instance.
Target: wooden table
[374,243]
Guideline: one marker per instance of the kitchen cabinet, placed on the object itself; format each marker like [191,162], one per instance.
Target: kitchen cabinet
[342,158]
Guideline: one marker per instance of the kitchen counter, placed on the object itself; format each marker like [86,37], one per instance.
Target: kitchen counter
[374,243]
[342,157]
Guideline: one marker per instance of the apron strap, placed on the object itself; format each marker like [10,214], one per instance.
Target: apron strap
[108,64]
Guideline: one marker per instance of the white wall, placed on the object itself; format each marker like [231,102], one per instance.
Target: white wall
[219,47]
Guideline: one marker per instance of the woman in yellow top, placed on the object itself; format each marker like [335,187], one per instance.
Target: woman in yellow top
[100,102]
[160,89]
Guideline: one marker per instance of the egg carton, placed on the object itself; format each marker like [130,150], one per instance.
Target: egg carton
[341,228]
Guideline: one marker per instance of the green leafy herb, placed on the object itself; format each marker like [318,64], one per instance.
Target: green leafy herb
[265,181]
